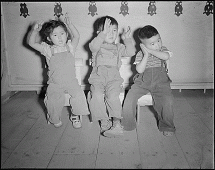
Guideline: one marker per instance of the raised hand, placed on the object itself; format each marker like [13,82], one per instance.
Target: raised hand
[38,25]
[144,49]
[107,26]
[126,34]
[67,19]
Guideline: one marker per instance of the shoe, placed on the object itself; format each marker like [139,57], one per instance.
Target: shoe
[57,125]
[115,131]
[168,133]
[105,124]
[76,122]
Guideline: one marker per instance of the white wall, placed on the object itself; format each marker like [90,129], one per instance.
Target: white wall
[189,36]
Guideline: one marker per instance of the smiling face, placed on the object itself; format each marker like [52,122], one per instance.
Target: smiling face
[112,34]
[153,43]
[59,36]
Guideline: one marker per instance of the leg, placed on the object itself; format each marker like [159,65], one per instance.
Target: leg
[164,107]
[112,100]
[163,103]
[129,106]
[114,108]
[78,101]
[96,104]
[54,102]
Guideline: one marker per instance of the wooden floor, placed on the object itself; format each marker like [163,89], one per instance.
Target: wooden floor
[27,141]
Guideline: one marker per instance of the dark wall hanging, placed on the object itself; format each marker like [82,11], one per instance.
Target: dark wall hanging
[124,8]
[92,8]
[178,8]
[208,8]
[24,10]
[58,10]
[152,8]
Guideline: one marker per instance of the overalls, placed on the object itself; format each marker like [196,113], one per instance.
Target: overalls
[62,79]
[156,81]
[106,85]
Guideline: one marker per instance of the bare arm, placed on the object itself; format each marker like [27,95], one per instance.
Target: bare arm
[32,40]
[73,31]
[130,49]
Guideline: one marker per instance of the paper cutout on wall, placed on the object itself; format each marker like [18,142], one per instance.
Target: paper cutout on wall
[92,8]
[124,8]
[178,8]
[58,9]
[208,8]
[24,10]
[152,8]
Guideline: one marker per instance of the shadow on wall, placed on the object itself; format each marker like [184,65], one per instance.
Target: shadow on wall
[86,48]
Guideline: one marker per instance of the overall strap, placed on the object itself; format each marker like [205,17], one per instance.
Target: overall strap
[52,51]
[118,57]
[163,62]
[67,47]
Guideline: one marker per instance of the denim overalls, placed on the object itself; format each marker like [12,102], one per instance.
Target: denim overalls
[106,85]
[62,79]
[156,81]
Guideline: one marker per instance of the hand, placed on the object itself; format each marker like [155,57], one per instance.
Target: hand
[67,19]
[38,26]
[126,33]
[144,49]
[107,26]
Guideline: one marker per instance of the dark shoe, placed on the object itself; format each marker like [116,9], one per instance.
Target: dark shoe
[115,131]
[105,124]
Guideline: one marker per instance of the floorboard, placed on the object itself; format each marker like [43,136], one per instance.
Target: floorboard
[27,141]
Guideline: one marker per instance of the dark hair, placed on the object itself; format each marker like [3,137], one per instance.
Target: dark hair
[101,22]
[147,31]
[48,28]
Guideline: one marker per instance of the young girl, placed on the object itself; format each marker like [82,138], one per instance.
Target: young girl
[59,51]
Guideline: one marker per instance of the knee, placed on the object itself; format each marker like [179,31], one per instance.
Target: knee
[168,100]
[98,94]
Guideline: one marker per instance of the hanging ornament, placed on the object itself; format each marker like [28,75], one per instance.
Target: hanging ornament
[24,10]
[57,10]
[124,8]
[208,8]
[178,8]
[92,8]
[152,8]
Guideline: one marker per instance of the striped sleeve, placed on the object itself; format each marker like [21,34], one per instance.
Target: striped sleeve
[46,50]
[164,49]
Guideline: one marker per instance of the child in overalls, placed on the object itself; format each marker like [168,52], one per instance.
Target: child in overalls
[151,77]
[105,79]
[60,56]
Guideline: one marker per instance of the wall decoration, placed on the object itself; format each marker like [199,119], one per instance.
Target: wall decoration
[152,8]
[92,8]
[178,8]
[58,9]
[124,8]
[24,10]
[208,8]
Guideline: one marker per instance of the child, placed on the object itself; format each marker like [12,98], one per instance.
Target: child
[105,78]
[60,56]
[151,77]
